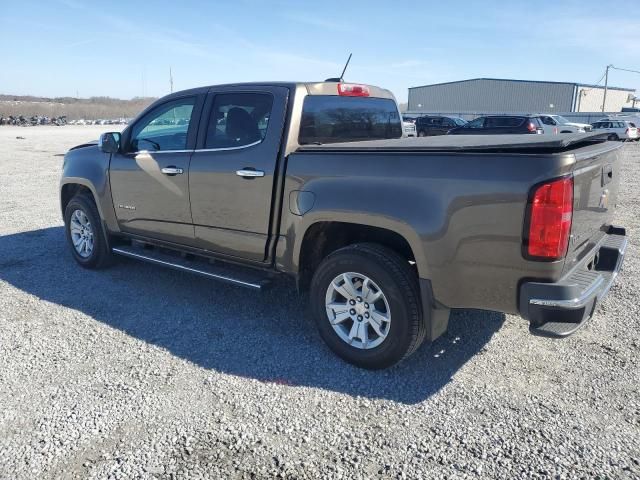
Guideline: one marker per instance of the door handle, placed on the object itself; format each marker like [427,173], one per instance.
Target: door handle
[249,173]
[607,174]
[172,171]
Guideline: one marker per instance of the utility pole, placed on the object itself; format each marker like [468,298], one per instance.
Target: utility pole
[606,85]
[170,81]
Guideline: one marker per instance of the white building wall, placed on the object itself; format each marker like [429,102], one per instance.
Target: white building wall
[590,100]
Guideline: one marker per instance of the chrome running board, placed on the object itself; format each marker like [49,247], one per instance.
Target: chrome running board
[225,273]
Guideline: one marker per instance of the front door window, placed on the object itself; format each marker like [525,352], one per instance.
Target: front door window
[164,128]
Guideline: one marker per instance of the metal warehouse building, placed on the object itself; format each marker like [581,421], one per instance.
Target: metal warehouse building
[494,95]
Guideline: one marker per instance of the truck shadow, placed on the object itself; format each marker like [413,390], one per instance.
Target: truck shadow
[265,336]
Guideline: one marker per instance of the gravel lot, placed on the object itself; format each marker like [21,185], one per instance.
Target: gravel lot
[140,372]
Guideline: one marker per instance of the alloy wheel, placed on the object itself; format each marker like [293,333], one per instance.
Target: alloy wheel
[358,310]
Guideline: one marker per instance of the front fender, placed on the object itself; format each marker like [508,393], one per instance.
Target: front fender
[89,167]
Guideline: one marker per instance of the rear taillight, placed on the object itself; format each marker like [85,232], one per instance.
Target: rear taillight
[353,90]
[626,132]
[531,127]
[550,213]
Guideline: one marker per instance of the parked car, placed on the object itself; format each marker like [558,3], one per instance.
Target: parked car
[409,129]
[629,117]
[617,129]
[500,125]
[328,193]
[554,124]
[431,125]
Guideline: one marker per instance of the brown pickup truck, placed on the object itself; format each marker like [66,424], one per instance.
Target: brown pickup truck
[244,182]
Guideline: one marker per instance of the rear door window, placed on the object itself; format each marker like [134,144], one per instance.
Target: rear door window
[331,119]
[238,119]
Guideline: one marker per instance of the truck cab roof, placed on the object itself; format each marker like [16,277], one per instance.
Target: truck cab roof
[311,88]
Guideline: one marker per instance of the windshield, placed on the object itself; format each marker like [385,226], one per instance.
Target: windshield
[458,121]
[560,119]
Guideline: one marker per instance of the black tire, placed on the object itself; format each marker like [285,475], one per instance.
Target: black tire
[399,284]
[101,255]
[422,133]
[613,137]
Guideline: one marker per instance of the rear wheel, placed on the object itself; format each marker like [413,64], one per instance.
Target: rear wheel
[613,137]
[421,133]
[366,304]
[85,233]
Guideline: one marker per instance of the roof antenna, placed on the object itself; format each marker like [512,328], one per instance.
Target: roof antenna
[345,67]
[341,79]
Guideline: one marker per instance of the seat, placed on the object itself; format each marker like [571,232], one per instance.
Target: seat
[241,127]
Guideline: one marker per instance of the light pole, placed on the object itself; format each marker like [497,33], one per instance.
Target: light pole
[606,85]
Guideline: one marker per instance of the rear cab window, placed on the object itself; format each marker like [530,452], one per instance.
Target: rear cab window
[332,119]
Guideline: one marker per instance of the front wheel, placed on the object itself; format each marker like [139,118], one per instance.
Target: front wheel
[366,304]
[85,234]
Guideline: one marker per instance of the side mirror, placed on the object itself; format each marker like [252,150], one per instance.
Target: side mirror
[109,142]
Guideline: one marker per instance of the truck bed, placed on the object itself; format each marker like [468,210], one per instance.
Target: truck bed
[467,143]
[466,197]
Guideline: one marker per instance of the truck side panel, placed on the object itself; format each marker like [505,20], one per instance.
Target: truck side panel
[461,213]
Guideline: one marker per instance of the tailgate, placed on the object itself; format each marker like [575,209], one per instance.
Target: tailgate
[596,181]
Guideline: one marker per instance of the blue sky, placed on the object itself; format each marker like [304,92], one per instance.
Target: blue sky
[125,48]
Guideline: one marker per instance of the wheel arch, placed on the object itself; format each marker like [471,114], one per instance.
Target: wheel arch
[322,237]
[70,187]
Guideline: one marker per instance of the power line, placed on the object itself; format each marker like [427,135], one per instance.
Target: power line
[595,85]
[625,69]
[583,92]
[606,82]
